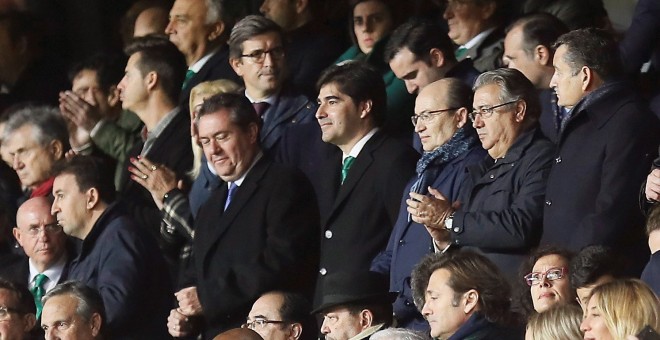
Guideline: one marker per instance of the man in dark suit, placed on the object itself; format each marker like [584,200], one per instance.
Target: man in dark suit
[256,52]
[45,245]
[310,46]
[528,49]
[150,88]
[605,148]
[258,232]
[363,179]
[116,257]
[199,29]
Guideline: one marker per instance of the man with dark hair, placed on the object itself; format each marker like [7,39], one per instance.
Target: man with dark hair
[651,273]
[116,256]
[418,55]
[36,138]
[17,311]
[279,315]
[591,267]
[256,52]
[354,305]
[200,29]
[310,47]
[575,14]
[77,305]
[605,145]
[150,88]
[463,296]
[93,110]
[528,49]
[361,180]
[258,232]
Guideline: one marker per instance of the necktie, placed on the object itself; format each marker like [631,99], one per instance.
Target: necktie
[345,167]
[189,75]
[261,108]
[38,291]
[460,52]
[230,194]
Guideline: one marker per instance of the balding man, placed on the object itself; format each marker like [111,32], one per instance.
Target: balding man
[441,122]
[238,334]
[45,247]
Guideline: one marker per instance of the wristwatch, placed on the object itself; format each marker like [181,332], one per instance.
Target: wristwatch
[449,221]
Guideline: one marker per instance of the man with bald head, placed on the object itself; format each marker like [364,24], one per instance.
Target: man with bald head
[450,144]
[45,247]
[238,334]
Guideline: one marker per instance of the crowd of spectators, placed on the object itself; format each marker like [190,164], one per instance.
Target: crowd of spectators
[231,169]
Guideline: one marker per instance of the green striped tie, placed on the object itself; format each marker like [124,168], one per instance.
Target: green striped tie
[189,75]
[460,52]
[38,291]
[345,167]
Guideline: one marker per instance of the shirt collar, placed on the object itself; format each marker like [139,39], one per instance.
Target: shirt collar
[54,272]
[270,99]
[355,151]
[152,135]
[478,38]
[202,61]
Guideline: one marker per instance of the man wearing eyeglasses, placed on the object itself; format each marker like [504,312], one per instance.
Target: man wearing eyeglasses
[17,311]
[256,52]
[280,315]
[45,246]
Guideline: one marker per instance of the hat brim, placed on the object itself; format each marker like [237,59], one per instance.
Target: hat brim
[330,301]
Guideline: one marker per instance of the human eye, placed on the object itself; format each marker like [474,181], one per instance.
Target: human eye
[256,54]
[204,141]
[33,230]
[554,274]
[62,325]
[3,312]
[358,21]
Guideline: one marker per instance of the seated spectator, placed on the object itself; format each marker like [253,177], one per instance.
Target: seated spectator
[36,138]
[619,309]
[476,27]
[547,281]
[281,315]
[73,311]
[116,257]
[372,21]
[560,322]
[463,296]
[651,273]
[399,334]
[591,267]
[17,311]
[354,305]
[450,144]
[574,13]
[93,110]
[151,20]
[501,208]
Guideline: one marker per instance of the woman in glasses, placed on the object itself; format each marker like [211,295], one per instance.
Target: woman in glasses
[500,208]
[544,281]
[371,23]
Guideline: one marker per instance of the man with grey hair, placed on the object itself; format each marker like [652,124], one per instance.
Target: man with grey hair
[256,52]
[200,29]
[73,311]
[35,138]
[399,334]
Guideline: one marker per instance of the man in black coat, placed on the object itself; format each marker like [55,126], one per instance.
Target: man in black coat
[605,147]
[116,257]
[258,232]
[363,179]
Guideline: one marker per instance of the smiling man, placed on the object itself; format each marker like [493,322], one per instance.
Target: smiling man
[256,233]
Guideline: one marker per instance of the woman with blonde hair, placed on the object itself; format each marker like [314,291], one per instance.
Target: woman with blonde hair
[619,309]
[561,322]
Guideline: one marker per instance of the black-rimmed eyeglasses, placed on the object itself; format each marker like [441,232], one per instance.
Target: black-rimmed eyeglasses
[259,56]
[426,115]
[487,111]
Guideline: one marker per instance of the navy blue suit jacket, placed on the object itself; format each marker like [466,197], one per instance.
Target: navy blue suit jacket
[410,242]
[123,263]
[289,109]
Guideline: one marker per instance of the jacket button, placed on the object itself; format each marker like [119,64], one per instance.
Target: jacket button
[323,271]
[328,234]
[491,176]
[558,160]
[548,202]
[456,230]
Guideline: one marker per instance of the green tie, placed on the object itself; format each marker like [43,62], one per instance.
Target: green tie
[189,75]
[460,52]
[345,167]
[38,291]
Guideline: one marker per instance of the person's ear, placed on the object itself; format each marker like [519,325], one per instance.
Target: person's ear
[366,319]
[521,110]
[17,235]
[471,298]
[29,320]
[461,117]
[542,55]
[93,198]
[365,108]
[150,80]
[296,331]
[56,148]
[113,96]
[236,64]
[216,30]
[301,6]
[586,77]
[437,57]
[95,323]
